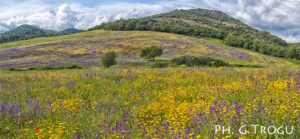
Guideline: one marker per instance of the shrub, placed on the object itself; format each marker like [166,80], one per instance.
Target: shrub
[199,61]
[151,52]
[160,65]
[184,60]
[47,68]
[32,68]
[109,59]
[73,67]
[12,69]
[219,63]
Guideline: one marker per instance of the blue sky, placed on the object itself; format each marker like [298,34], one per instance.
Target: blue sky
[280,17]
[96,2]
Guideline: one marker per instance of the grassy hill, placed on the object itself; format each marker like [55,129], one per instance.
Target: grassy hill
[207,24]
[295,44]
[25,32]
[195,22]
[86,48]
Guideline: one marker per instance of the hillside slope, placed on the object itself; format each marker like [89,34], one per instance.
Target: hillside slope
[208,24]
[86,48]
[70,31]
[195,22]
[25,32]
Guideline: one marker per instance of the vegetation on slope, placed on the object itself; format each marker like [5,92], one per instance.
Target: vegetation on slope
[87,48]
[206,23]
[70,31]
[25,32]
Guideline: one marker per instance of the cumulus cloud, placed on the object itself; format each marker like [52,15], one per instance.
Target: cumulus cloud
[279,17]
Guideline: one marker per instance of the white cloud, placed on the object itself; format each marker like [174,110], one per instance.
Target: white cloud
[281,17]
[277,16]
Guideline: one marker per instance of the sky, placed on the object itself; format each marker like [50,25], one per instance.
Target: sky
[280,17]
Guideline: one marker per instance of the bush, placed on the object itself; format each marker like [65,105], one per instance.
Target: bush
[32,68]
[16,69]
[109,59]
[12,69]
[160,65]
[199,61]
[151,52]
[73,67]
[184,60]
[47,68]
[219,63]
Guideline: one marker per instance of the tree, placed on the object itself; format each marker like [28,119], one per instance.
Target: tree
[109,59]
[151,52]
[234,41]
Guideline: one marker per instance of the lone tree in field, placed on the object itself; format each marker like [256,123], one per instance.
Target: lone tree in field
[151,52]
[109,59]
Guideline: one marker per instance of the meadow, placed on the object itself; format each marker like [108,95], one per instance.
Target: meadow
[86,48]
[141,102]
[44,96]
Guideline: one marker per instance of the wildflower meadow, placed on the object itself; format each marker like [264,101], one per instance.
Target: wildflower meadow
[149,103]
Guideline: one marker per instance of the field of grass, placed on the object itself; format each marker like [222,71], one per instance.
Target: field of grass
[86,48]
[146,102]
[132,100]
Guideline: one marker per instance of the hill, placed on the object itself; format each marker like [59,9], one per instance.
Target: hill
[70,31]
[86,48]
[25,32]
[295,44]
[208,24]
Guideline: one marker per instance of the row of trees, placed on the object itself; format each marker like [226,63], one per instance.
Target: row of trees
[239,36]
[152,52]
[109,58]
[292,52]
[153,25]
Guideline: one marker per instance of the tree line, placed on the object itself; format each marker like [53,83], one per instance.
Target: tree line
[262,42]
[292,52]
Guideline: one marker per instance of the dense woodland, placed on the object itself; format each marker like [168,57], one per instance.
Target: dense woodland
[209,24]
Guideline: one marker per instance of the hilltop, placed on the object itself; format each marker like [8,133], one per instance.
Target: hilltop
[206,24]
[195,22]
[86,48]
[25,32]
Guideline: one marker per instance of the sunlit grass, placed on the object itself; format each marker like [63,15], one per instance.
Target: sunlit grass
[145,102]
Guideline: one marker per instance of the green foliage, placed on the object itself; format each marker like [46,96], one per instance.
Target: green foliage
[206,23]
[45,68]
[50,68]
[151,52]
[293,52]
[160,65]
[74,67]
[70,31]
[259,46]
[109,59]
[199,61]
[25,32]
[15,69]
[184,60]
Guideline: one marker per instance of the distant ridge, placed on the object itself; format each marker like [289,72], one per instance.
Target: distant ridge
[70,31]
[25,32]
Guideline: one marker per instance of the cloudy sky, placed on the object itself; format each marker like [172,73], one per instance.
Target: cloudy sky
[280,17]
